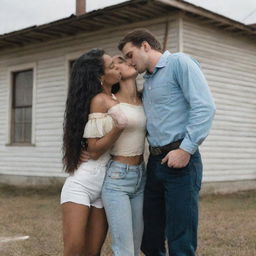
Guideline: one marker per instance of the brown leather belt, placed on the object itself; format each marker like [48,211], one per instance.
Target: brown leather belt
[156,151]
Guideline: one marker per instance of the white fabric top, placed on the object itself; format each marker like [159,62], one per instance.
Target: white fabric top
[98,125]
[132,140]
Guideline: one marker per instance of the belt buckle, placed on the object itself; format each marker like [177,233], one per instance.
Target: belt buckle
[156,151]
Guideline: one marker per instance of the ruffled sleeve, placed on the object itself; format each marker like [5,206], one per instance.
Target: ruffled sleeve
[98,125]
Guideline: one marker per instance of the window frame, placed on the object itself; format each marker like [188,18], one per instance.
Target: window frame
[10,79]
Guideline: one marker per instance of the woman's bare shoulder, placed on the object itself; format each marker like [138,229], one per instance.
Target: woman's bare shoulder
[99,103]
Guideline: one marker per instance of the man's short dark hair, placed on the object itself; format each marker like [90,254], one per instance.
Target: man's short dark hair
[137,36]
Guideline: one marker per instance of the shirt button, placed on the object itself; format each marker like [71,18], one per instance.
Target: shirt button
[149,87]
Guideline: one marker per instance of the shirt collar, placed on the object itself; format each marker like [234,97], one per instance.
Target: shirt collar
[160,64]
[163,60]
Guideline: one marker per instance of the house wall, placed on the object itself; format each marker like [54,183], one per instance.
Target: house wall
[50,61]
[229,63]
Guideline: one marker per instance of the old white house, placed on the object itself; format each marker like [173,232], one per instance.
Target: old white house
[34,71]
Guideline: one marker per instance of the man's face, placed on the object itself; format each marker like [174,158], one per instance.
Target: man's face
[136,56]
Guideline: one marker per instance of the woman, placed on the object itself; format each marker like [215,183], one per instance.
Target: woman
[84,220]
[123,187]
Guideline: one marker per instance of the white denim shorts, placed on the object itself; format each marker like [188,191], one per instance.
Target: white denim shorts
[84,186]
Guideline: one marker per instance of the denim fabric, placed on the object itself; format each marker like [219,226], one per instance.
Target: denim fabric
[177,102]
[122,196]
[171,207]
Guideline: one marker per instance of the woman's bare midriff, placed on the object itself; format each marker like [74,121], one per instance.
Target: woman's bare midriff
[131,160]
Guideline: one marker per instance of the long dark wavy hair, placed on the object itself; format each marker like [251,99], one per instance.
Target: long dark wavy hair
[84,84]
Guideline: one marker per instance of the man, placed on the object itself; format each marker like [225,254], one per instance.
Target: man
[179,109]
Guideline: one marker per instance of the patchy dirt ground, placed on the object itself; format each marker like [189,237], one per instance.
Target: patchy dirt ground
[227,223]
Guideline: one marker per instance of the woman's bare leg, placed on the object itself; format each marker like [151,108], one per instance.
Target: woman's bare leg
[75,219]
[96,231]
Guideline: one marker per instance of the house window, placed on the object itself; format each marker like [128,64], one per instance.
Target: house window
[71,63]
[70,66]
[22,91]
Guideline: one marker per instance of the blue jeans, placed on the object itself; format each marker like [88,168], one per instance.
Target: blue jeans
[122,196]
[171,207]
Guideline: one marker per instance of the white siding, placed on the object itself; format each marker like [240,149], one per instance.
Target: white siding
[3,104]
[229,63]
[173,35]
[44,159]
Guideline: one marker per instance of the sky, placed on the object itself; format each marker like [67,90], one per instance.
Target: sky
[17,14]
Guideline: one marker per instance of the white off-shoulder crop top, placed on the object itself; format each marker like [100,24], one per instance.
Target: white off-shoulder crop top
[98,125]
[132,140]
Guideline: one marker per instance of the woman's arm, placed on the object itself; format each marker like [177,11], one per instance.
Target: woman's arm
[98,146]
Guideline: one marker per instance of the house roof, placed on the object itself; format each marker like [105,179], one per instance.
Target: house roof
[120,14]
[253,25]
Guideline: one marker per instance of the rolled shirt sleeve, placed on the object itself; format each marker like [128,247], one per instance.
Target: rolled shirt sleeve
[197,93]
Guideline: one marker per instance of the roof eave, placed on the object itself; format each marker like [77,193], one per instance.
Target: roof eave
[120,14]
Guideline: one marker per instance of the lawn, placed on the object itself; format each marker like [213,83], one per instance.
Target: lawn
[227,223]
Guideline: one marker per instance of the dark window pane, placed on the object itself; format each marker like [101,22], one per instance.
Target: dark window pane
[23,115]
[23,125]
[28,115]
[27,135]
[22,106]
[19,115]
[71,63]
[23,82]
[19,133]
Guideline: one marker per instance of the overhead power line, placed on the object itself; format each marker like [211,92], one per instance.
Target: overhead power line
[249,15]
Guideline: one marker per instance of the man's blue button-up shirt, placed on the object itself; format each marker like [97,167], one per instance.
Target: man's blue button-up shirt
[177,102]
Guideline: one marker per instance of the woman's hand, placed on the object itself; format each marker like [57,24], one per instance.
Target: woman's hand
[120,119]
[85,156]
